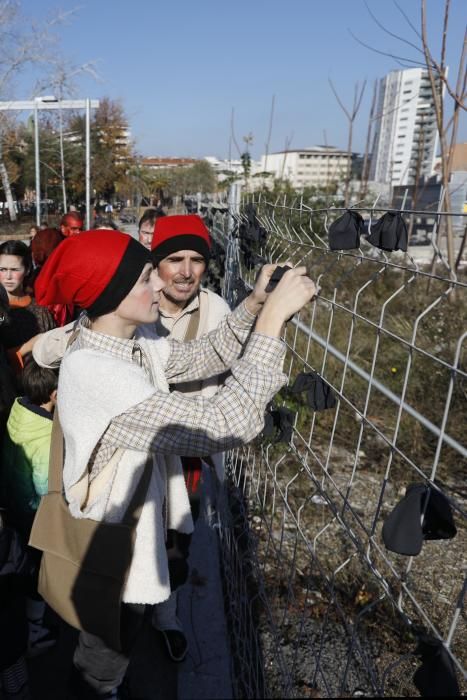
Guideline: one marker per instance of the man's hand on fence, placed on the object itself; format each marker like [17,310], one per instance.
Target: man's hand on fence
[259,294]
[292,292]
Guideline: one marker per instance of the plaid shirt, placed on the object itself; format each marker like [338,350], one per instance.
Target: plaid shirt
[178,424]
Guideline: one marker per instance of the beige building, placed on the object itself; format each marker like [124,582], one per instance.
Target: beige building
[459,158]
[158,163]
[318,166]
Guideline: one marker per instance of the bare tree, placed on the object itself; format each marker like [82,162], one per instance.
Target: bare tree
[232,132]
[446,96]
[61,80]
[22,46]
[268,139]
[366,157]
[447,130]
[351,115]
[288,142]
[4,177]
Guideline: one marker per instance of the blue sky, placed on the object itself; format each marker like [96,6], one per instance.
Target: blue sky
[179,68]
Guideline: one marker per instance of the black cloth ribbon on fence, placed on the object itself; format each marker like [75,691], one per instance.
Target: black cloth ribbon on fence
[436,677]
[319,394]
[251,230]
[389,232]
[253,233]
[344,232]
[217,252]
[278,424]
[403,532]
[241,291]
[251,259]
[276,277]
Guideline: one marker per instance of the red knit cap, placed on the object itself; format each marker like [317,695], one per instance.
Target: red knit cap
[94,271]
[181,232]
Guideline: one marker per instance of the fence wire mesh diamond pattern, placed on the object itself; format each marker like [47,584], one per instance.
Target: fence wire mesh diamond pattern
[318,605]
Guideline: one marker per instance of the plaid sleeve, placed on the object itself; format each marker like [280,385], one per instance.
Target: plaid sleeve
[213,353]
[196,426]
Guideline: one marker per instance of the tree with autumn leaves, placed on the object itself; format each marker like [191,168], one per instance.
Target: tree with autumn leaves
[112,154]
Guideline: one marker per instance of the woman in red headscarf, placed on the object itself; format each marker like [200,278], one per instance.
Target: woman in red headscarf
[118,415]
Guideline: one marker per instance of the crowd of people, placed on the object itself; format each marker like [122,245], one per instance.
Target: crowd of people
[151,377]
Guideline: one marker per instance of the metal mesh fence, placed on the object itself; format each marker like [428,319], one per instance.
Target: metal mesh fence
[318,606]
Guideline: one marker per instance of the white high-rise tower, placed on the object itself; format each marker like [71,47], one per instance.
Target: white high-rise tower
[406,137]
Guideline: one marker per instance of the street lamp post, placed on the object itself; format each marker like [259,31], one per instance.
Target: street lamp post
[52,103]
[88,163]
[37,163]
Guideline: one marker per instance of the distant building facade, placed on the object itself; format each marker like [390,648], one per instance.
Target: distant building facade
[459,157]
[161,163]
[318,166]
[406,137]
[225,168]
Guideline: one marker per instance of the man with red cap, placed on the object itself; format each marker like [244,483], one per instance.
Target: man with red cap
[180,251]
[71,224]
[117,413]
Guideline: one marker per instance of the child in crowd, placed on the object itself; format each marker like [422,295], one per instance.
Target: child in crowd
[25,453]
[24,476]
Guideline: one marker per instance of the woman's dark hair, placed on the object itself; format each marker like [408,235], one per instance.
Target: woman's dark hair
[4,306]
[7,383]
[38,382]
[21,250]
[103,222]
[44,242]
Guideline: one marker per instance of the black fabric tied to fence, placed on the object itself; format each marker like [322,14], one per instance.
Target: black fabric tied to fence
[344,232]
[403,531]
[278,424]
[276,277]
[436,677]
[319,395]
[389,232]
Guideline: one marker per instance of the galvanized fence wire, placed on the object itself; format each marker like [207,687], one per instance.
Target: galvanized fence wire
[317,603]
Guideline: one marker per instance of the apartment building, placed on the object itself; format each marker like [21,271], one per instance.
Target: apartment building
[406,139]
[161,163]
[318,166]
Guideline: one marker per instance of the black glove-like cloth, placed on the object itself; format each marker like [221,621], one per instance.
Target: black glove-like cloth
[344,232]
[389,232]
[403,532]
[278,423]
[319,394]
[436,677]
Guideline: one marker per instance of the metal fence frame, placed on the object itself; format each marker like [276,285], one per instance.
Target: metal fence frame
[263,528]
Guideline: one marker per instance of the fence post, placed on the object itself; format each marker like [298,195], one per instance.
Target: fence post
[234,203]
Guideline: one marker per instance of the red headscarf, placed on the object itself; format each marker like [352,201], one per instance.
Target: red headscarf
[94,271]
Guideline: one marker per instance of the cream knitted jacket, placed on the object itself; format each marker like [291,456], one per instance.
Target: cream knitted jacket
[107,387]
